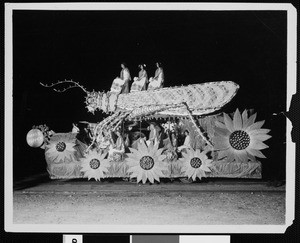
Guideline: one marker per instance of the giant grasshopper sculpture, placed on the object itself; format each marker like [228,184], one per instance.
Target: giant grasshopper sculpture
[185,101]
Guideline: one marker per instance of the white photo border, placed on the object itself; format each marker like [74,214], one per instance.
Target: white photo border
[175,229]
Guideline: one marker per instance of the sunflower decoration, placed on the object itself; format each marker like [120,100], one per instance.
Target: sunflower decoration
[94,165]
[61,148]
[195,163]
[145,163]
[240,138]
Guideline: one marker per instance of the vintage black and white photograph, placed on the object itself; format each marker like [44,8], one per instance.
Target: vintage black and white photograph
[150,118]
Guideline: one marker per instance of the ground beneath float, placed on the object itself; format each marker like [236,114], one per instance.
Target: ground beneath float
[83,202]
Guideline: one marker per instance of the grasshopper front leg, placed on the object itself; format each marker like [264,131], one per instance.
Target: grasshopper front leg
[109,123]
[197,128]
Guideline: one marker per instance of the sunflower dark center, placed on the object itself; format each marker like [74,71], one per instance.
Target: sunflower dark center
[146,162]
[60,146]
[239,140]
[94,164]
[196,162]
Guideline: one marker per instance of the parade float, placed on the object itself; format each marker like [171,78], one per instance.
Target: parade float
[221,145]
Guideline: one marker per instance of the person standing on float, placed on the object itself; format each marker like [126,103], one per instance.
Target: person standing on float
[187,142]
[120,144]
[153,136]
[121,84]
[125,75]
[140,82]
[157,81]
[116,148]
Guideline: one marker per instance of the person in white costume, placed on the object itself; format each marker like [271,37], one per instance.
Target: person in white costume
[157,81]
[121,84]
[104,141]
[187,142]
[116,149]
[140,82]
[153,135]
[75,129]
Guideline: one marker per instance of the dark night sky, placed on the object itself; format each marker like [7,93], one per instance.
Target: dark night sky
[247,47]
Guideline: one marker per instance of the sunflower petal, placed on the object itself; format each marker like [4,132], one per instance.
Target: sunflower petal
[259,131]
[256,153]
[262,137]
[194,175]
[220,125]
[50,149]
[237,158]
[139,177]
[53,158]
[132,160]
[102,156]
[132,150]
[228,123]
[242,156]
[258,145]
[221,143]
[161,157]
[244,117]
[185,155]
[202,173]
[203,155]
[159,151]
[133,156]
[237,120]
[251,157]
[197,153]
[222,131]
[205,168]
[144,178]
[230,155]
[100,174]
[250,121]
[104,169]
[150,177]
[254,126]
[142,148]
[208,162]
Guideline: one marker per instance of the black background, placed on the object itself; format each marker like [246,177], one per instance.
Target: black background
[247,47]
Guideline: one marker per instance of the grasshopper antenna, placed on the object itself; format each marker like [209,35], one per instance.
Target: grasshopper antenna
[73,85]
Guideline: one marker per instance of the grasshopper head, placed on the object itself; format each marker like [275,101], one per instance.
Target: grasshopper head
[93,101]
